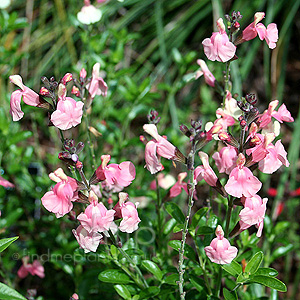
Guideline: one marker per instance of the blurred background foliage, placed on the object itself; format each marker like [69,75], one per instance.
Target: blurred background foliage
[147,50]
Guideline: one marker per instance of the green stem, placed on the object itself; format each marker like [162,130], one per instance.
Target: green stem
[181,270]
[62,137]
[158,209]
[203,268]
[228,215]
[135,267]
[226,81]
[219,281]
[90,144]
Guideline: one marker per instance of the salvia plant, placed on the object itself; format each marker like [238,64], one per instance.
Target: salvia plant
[212,255]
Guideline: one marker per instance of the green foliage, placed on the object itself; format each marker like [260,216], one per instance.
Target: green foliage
[7,293]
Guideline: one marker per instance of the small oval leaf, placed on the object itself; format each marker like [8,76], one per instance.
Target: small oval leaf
[123,291]
[254,263]
[197,217]
[114,276]
[204,230]
[229,295]
[7,293]
[152,267]
[4,243]
[270,282]
[175,212]
[233,268]
[270,272]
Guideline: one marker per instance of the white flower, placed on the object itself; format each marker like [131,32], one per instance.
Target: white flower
[4,4]
[89,14]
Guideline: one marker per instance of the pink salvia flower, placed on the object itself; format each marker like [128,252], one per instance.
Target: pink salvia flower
[282,115]
[179,185]
[59,199]
[34,269]
[241,180]
[68,112]
[225,159]
[29,97]
[208,76]
[153,163]
[6,183]
[87,241]
[96,217]
[220,251]
[97,86]
[251,31]
[89,14]
[218,47]
[231,108]
[164,181]
[164,148]
[128,212]
[253,213]
[205,171]
[122,174]
[276,157]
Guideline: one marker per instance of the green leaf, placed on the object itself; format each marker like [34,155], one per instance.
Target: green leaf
[169,226]
[281,251]
[233,268]
[228,295]
[242,278]
[122,291]
[197,217]
[152,267]
[114,276]
[270,272]
[198,283]
[114,251]
[175,212]
[4,243]
[12,217]
[254,263]
[270,282]
[172,279]
[178,228]
[8,293]
[149,292]
[17,137]
[204,230]
[188,250]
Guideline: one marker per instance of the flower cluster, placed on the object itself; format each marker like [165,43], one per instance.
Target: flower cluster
[96,220]
[64,112]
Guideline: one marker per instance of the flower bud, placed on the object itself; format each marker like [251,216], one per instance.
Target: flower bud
[67,78]
[44,91]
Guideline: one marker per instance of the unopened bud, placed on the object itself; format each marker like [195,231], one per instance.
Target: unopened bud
[74,157]
[79,147]
[110,201]
[75,91]
[79,165]
[243,123]
[184,129]
[72,215]
[44,91]
[82,73]
[224,136]
[251,98]
[67,78]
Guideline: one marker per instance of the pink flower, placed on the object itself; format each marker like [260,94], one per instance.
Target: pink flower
[231,108]
[68,112]
[220,251]
[225,159]
[127,211]
[6,183]
[121,175]
[59,199]
[282,115]
[34,269]
[164,181]
[205,171]
[157,147]
[96,217]
[253,213]
[179,185]
[87,241]
[269,34]
[29,97]
[89,14]
[241,181]
[208,76]
[218,47]
[97,86]
[276,157]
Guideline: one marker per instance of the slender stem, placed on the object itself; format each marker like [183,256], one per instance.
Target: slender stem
[226,81]
[158,209]
[90,144]
[181,270]
[203,268]
[61,136]
[228,215]
[219,281]
[136,268]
